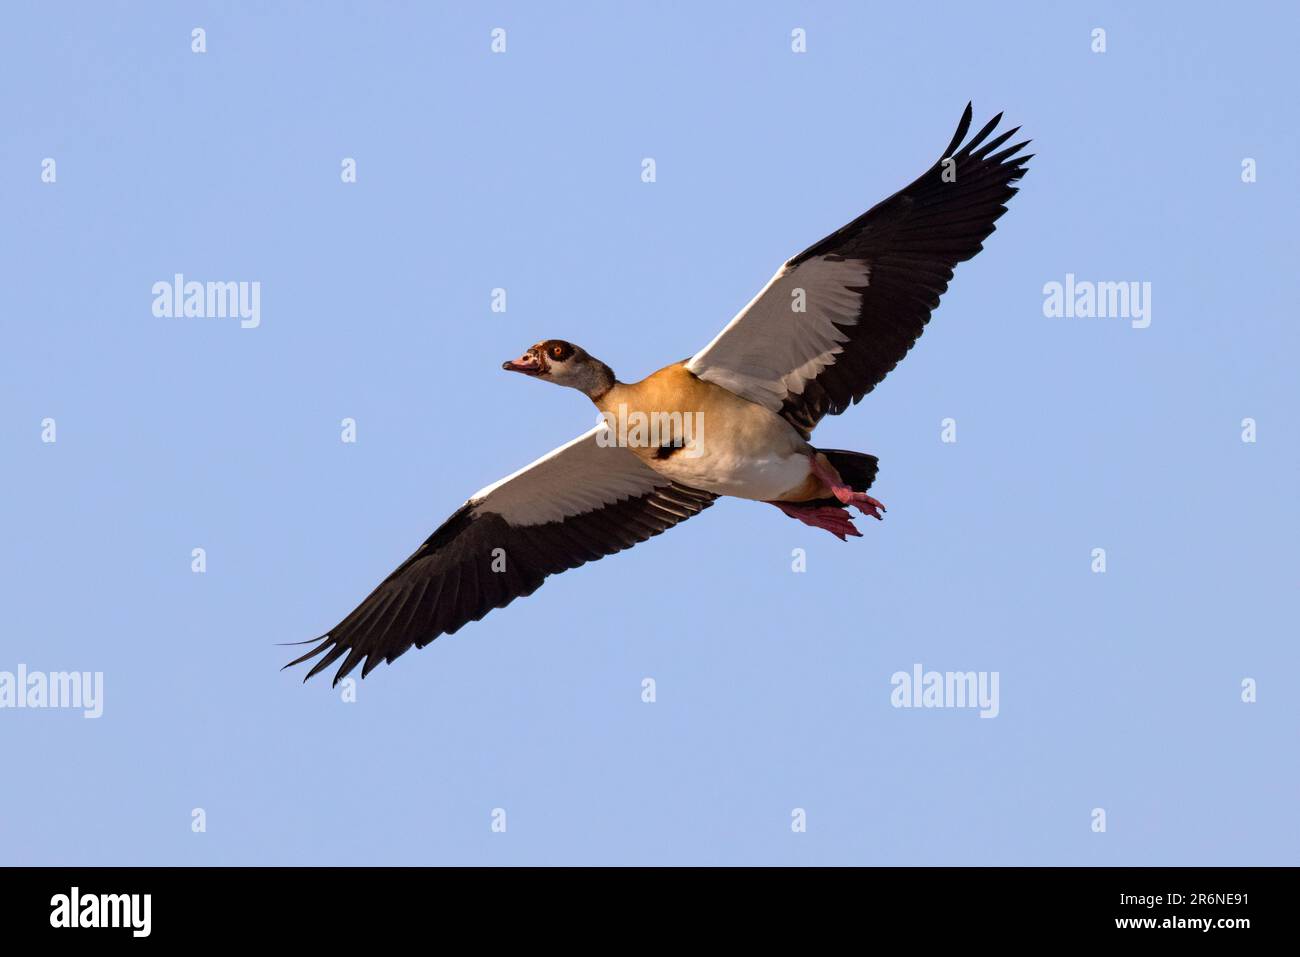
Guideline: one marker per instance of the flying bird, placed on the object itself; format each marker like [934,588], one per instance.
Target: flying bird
[734,419]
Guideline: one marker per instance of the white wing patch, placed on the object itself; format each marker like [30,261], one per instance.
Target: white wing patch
[580,476]
[770,350]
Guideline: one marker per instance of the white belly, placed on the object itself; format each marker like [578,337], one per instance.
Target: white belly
[724,472]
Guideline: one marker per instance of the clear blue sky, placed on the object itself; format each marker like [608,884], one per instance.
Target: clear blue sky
[1119,690]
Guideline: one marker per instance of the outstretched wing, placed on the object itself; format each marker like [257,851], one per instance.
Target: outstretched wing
[583,501]
[836,318]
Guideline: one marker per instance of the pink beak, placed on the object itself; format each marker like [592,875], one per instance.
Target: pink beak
[528,363]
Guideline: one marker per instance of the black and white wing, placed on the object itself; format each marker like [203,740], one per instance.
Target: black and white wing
[583,501]
[836,318]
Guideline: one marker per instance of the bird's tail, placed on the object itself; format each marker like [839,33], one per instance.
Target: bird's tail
[857,469]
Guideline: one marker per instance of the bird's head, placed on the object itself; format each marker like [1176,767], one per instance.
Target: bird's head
[564,364]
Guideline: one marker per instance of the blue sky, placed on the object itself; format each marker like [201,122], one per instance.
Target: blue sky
[1120,690]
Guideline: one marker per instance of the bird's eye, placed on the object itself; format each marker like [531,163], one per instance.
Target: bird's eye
[557,351]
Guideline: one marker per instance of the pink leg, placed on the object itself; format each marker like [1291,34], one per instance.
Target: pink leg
[830,517]
[831,479]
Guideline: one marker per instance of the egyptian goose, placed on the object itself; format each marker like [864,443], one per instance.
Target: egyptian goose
[734,419]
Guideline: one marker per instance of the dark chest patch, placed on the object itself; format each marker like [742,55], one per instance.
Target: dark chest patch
[667,451]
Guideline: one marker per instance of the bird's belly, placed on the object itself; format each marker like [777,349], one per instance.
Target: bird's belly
[724,471]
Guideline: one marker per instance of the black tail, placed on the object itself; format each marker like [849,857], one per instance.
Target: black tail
[856,468]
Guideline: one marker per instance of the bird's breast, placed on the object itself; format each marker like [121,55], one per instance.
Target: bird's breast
[699,434]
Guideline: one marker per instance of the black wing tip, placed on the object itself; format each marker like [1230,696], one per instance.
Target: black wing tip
[977,157]
[961,146]
[332,650]
[963,126]
[342,641]
[324,642]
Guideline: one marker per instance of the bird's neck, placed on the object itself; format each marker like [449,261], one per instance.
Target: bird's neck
[599,383]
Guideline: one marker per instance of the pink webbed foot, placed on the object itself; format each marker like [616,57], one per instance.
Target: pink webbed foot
[860,500]
[830,517]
